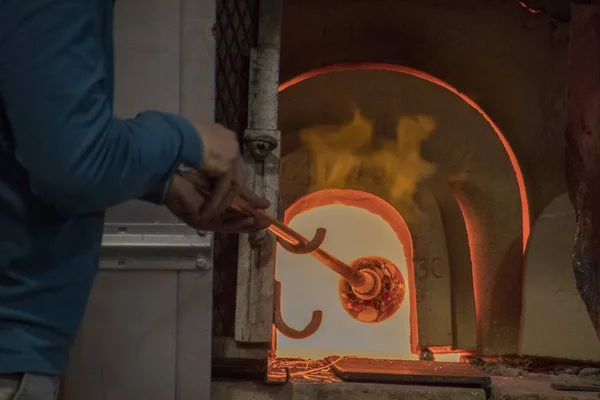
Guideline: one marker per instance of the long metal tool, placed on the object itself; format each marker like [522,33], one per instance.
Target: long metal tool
[295,242]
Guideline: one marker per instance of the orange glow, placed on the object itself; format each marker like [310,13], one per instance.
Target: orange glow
[448,357]
[468,217]
[526,223]
[358,223]
[531,10]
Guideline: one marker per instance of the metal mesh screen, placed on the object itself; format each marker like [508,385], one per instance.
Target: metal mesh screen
[236,33]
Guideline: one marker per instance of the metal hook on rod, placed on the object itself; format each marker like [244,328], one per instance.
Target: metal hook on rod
[363,282]
[288,238]
[304,248]
[285,329]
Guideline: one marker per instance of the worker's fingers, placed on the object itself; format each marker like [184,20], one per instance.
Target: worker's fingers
[225,203]
[254,200]
[220,147]
[260,224]
[215,204]
[233,221]
[244,192]
[221,197]
[201,182]
[184,202]
[240,224]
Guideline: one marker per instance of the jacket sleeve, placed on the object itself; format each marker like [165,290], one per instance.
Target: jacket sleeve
[55,88]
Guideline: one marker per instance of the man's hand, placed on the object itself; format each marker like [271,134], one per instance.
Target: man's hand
[186,201]
[220,149]
[222,164]
[202,197]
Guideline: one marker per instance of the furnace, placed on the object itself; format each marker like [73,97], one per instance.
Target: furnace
[420,143]
[432,113]
[414,146]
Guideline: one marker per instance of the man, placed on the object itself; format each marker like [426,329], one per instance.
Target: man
[64,158]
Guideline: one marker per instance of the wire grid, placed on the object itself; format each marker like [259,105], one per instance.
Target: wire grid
[235,34]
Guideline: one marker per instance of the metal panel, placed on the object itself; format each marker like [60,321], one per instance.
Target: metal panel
[194,294]
[197,97]
[127,346]
[194,333]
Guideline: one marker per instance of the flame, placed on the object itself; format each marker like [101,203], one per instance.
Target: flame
[351,156]
[359,66]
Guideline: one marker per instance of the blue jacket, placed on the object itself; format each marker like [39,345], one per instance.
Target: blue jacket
[65,158]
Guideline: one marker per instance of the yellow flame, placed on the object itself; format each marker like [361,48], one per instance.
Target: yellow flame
[351,156]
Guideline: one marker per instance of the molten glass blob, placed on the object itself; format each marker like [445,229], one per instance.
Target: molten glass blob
[385,303]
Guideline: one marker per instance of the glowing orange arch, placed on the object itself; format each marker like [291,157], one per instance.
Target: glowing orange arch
[355,198]
[420,74]
[374,205]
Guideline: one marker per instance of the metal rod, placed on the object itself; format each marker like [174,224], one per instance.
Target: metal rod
[354,277]
[357,279]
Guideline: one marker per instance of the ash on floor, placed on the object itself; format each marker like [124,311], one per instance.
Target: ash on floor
[514,366]
[559,377]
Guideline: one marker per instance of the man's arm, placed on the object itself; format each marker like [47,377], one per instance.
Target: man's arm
[53,82]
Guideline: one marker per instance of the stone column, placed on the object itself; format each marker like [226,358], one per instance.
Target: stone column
[583,152]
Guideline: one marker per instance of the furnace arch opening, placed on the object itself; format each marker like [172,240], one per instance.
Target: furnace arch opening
[474,161]
[360,66]
[359,224]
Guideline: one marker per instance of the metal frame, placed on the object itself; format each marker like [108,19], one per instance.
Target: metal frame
[256,264]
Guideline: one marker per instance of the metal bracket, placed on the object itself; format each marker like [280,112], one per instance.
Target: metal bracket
[285,329]
[261,143]
[127,247]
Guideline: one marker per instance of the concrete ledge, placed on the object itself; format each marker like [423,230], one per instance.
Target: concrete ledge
[518,388]
[503,388]
[242,390]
